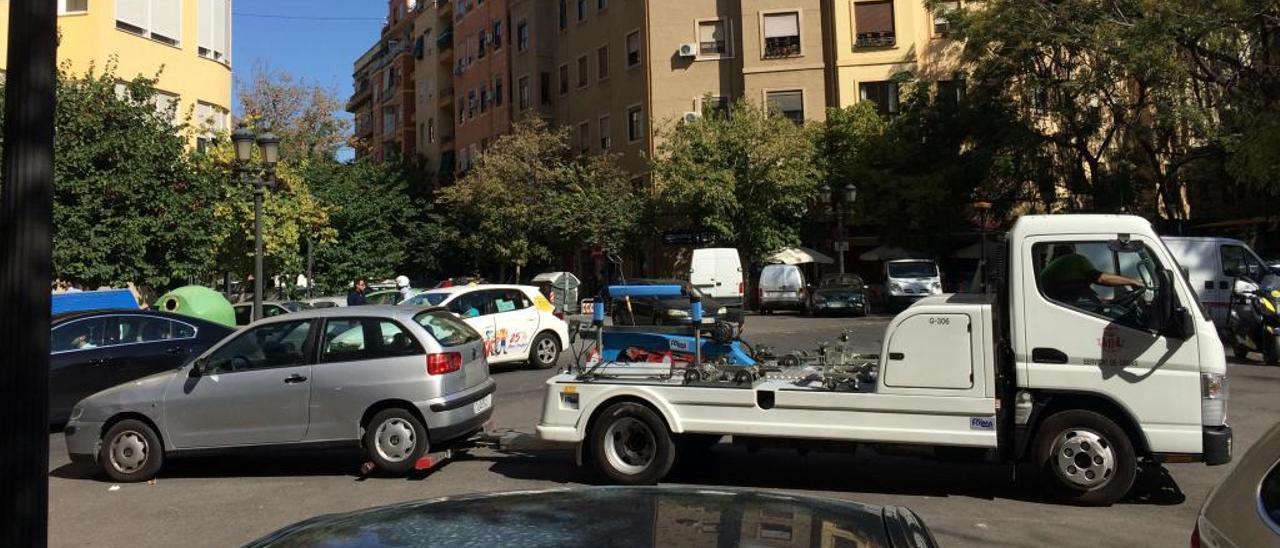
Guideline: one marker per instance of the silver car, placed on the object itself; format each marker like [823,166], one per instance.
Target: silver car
[395,380]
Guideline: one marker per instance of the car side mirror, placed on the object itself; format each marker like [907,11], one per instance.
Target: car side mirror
[198,368]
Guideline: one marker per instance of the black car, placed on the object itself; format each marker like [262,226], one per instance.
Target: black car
[620,517]
[95,350]
[838,294]
[663,310]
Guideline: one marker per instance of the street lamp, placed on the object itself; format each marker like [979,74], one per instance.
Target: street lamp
[269,147]
[839,199]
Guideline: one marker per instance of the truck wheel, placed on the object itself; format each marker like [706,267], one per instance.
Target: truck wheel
[131,452]
[394,440]
[632,445]
[1271,350]
[1085,458]
[544,353]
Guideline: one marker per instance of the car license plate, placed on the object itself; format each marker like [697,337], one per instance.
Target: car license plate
[835,304]
[482,405]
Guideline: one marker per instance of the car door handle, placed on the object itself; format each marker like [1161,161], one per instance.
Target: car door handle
[1048,355]
[295,379]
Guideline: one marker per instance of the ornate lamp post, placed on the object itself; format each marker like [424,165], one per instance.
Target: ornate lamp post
[840,200]
[269,146]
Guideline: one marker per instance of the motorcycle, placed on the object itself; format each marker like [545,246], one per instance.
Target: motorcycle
[1254,321]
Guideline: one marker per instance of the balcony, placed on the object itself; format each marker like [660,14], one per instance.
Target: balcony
[883,39]
[445,40]
[360,97]
[781,46]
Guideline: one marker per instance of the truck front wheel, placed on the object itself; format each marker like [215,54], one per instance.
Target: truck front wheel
[1085,458]
[632,445]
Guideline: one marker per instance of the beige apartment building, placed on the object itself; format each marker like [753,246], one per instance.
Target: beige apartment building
[434,89]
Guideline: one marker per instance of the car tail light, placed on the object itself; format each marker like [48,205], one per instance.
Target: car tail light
[448,362]
[1195,536]
[742,288]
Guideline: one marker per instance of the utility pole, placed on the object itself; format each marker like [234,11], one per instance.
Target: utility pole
[26,243]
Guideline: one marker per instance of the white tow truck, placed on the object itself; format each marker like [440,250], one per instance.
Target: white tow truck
[1079,380]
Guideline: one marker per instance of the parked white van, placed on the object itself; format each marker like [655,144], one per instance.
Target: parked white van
[717,272]
[1212,265]
[909,280]
[781,287]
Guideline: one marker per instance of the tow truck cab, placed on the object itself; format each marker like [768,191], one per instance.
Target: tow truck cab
[1080,380]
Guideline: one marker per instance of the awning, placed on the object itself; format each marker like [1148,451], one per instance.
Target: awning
[889,253]
[799,255]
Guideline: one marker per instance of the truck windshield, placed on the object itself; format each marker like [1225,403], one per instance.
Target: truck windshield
[921,269]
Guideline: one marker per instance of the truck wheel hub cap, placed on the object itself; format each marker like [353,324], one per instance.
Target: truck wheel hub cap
[1084,459]
[630,446]
[128,452]
[395,440]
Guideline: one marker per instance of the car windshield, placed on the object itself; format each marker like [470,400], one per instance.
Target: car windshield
[841,281]
[445,328]
[915,269]
[431,299]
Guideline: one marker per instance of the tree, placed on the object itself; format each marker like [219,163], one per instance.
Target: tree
[303,114]
[749,178]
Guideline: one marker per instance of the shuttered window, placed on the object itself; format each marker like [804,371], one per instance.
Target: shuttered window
[214,35]
[781,34]
[159,20]
[874,24]
[132,15]
[788,104]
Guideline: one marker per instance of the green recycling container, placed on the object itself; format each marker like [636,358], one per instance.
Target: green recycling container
[199,302]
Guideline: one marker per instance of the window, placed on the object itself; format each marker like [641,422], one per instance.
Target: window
[781,34]
[143,329]
[544,89]
[446,329]
[950,91]
[470,305]
[431,130]
[582,71]
[584,137]
[471,104]
[602,62]
[496,37]
[633,49]
[789,104]
[279,344]
[522,36]
[1069,272]
[1238,261]
[353,339]
[582,10]
[941,23]
[484,98]
[712,39]
[564,15]
[66,7]
[79,335]
[606,137]
[874,24]
[602,5]
[159,20]
[884,95]
[388,120]
[497,91]
[507,300]
[166,106]
[211,117]
[481,39]
[635,124]
[564,79]
[713,106]
[523,93]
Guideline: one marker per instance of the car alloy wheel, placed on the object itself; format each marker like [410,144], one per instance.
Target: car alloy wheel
[395,440]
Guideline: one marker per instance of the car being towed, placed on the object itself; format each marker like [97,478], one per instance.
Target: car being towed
[395,380]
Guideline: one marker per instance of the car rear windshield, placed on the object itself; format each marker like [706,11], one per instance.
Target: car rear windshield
[447,329]
[913,270]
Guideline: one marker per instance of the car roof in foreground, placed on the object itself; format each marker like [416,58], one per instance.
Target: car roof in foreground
[80,314]
[614,516]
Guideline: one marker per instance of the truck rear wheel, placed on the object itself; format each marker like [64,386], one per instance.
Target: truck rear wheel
[1085,458]
[632,445]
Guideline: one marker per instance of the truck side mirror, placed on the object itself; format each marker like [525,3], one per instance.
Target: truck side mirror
[1162,308]
[1183,327]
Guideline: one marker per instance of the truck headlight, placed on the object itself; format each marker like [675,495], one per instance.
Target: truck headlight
[677,313]
[895,287]
[1213,399]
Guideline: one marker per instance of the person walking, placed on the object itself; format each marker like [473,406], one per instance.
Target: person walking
[356,296]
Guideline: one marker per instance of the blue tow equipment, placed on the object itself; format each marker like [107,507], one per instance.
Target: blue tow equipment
[678,343]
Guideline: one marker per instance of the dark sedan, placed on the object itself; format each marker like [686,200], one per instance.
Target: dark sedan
[622,517]
[663,310]
[839,294]
[95,350]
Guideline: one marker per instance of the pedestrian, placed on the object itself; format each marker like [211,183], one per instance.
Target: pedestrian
[402,283]
[356,296]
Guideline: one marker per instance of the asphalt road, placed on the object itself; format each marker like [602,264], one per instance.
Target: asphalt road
[225,501]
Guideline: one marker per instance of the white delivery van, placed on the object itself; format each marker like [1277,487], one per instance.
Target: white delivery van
[1046,371]
[717,272]
[1212,266]
[781,287]
[909,280]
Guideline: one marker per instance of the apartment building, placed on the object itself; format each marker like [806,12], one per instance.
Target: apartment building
[533,59]
[187,41]
[434,66]
[872,40]
[482,76]
[383,97]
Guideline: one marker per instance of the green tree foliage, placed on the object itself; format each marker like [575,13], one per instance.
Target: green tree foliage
[529,197]
[749,178]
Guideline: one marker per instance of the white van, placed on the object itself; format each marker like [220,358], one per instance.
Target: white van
[717,272]
[909,280]
[781,287]
[1212,265]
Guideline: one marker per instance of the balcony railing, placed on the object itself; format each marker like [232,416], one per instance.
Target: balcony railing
[883,39]
[781,46]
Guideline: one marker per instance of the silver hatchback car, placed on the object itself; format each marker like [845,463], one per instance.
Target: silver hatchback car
[395,380]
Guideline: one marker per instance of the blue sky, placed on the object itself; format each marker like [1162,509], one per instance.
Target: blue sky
[315,39]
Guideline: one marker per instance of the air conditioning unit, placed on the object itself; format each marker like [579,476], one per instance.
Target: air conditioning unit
[691,117]
[688,50]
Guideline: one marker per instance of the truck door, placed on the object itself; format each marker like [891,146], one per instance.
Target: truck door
[1083,337]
